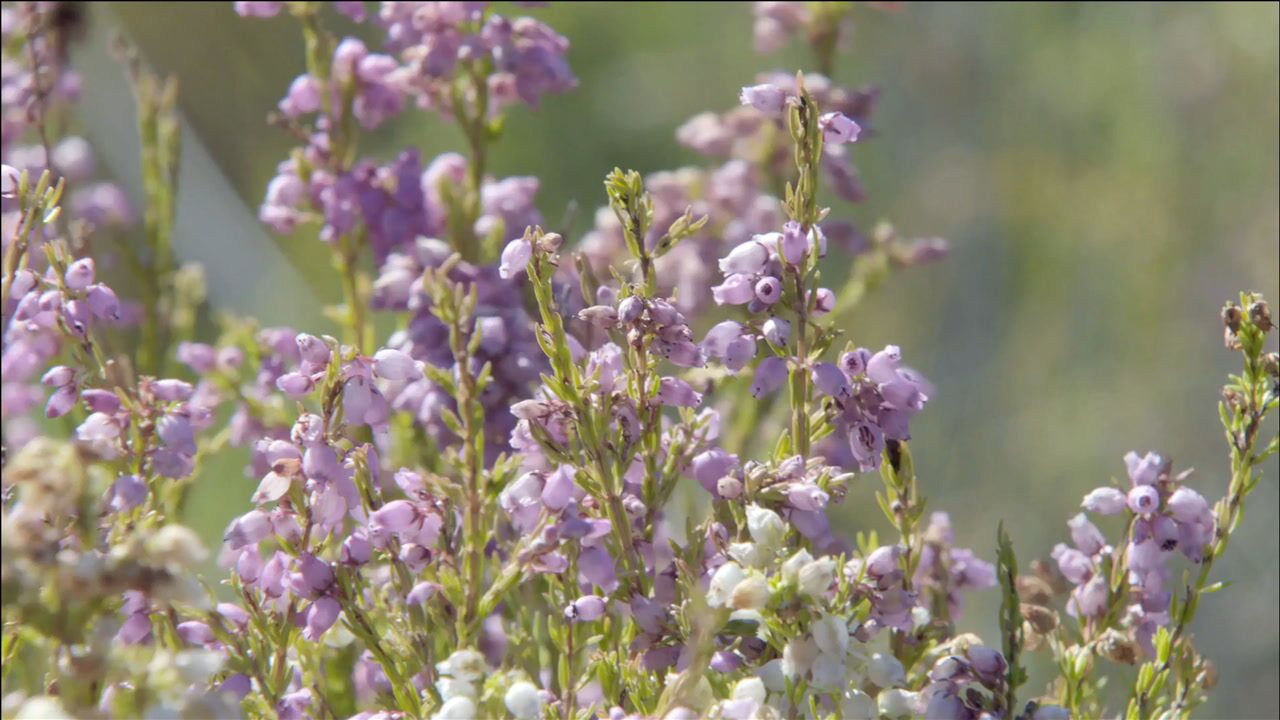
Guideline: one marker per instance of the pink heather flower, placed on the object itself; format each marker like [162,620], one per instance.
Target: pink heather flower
[1144,470]
[768,99]
[234,614]
[828,379]
[709,466]
[79,274]
[883,561]
[716,342]
[838,129]
[422,592]
[1165,532]
[394,365]
[303,97]
[127,493]
[1144,557]
[61,402]
[134,630]
[1144,499]
[559,488]
[258,9]
[824,301]
[777,331]
[748,258]
[675,392]
[195,632]
[793,243]
[768,290]
[171,390]
[356,549]
[295,384]
[882,367]
[1085,535]
[1105,501]
[586,609]
[596,567]
[312,350]
[740,352]
[321,616]
[1073,564]
[770,374]
[1090,599]
[1188,506]
[866,443]
[515,258]
[399,517]
[248,530]
[854,362]
[630,309]
[807,497]
[102,302]
[311,576]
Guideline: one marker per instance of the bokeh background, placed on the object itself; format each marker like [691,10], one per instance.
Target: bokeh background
[1107,175]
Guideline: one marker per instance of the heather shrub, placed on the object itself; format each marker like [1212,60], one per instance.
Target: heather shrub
[580,478]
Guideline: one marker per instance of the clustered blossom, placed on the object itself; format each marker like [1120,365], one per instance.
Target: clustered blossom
[738,197]
[876,397]
[1166,515]
[502,326]
[946,572]
[483,513]
[434,39]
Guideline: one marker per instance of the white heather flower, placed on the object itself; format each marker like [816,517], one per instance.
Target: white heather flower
[817,576]
[522,701]
[42,707]
[885,671]
[766,527]
[751,688]
[829,672]
[460,707]
[452,687]
[798,657]
[772,676]
[176,547]
[725,579]
[858,705]
[898,703]
[746,554]
[831,634]
[920,616]
[791,568]
[464,665]
[751,594]
[1104,501]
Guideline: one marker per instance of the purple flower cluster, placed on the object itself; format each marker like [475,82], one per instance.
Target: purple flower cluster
[875,397]
[525,57]
[736,196]
[946,572]
[752,130]
[45,310]
[502,327]
[1165,516]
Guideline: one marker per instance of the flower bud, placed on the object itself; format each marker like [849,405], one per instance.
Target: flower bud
[751,594]
[523,701]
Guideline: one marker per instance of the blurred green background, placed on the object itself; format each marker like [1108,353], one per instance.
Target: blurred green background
[1107,174]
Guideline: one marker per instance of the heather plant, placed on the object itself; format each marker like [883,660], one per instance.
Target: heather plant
[554,489]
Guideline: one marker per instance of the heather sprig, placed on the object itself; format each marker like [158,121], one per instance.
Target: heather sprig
[539,495]
[1175,680]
